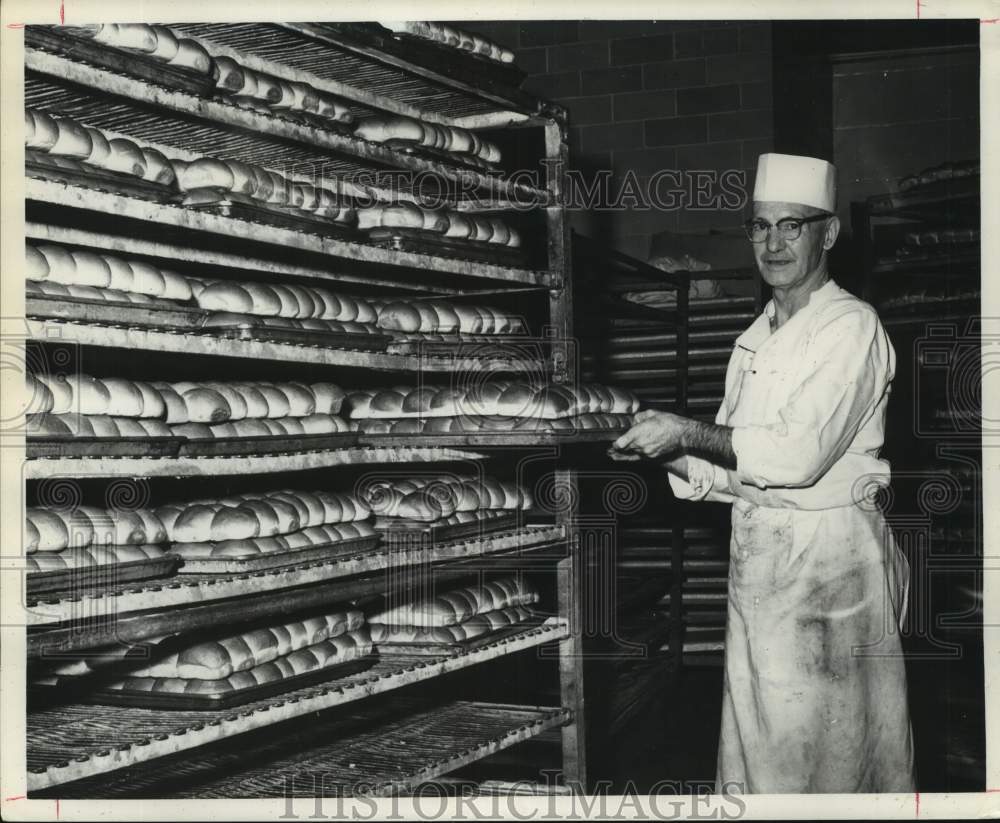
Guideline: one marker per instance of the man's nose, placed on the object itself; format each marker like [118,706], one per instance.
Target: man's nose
[775,241]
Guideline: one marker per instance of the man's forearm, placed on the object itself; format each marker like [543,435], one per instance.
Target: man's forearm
[709,441]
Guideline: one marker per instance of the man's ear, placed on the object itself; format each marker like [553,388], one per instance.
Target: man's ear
[832,232]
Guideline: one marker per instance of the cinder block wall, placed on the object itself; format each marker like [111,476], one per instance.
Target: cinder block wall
[648,96]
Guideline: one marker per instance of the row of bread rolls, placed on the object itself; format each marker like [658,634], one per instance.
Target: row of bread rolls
[501,398]
[276,93]
[214,659]
[181,402]
[476,626]
[933,238]
[488,425]
[64,137]
[80,267]
[483,516]
[96,425]
[443,496]
[284,300]
[227,320]
[459,604]
[450,36]
[257,546]
[293,510]
[262,427]
[336,650]
[430,135]
[239,178]
[90,557]
[92,293]
[157,42]
[441,316]
[54,530]
[452,224]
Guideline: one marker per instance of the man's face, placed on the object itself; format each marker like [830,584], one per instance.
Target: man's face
[784,263]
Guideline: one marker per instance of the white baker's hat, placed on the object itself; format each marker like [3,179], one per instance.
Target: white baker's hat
[790,178]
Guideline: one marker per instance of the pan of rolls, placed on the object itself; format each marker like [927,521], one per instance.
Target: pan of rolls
[404,226]
[444,506]
[84,416]
[449,143]
[235,666]
[490,411]
[457,620]
[256,531]
[87,546]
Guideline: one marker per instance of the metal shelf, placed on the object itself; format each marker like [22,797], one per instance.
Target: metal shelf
[61,194]
[120,737]
[204,342]
[111,100]
[185,602]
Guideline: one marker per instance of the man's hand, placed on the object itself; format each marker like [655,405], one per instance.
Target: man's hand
[653,434]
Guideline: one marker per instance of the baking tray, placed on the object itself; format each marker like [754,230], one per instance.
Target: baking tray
[98,577]
[75,173]
[110,312]
[56,447]
[247,332]
[64,41]
[423,242]
[458,647]
[397,528]
[495,437]
[274,560]
[240,207]
[520,348]
[253,446]
[79,692]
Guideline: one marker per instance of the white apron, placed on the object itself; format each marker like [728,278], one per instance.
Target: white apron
[815,688]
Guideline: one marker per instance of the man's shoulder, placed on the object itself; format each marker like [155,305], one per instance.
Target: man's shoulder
[843,304]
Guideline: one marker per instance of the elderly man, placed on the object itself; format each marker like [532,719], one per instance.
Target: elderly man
[815,686]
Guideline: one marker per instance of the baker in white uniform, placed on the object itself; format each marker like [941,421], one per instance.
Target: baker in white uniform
[815,686]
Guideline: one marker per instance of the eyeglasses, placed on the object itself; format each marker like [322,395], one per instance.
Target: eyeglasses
[788,229]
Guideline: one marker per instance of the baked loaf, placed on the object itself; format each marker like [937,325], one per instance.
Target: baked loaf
[441,316]
[459,604]
[254,183]
[95,293]
[435,498]
[268,93]
[477,626]
[258,546]
[446,138]
[285,301]
[221,658]
[79,267]
[449,36]
[258,427]
[451,224]
[52,530]
[91,557]
[63,138]
[339,649]
[494,398]
[156,42]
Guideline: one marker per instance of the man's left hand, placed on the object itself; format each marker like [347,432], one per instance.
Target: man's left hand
[654,434]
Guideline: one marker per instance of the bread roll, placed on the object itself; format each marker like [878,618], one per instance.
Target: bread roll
[124,158]
[166,44]
[205,405]
[158,168]
[36,266]
[43,133]
[265,300]
[135,36]
[300,398]
[125,398]
[204,173]
[234,399]
[40,398]
[227,74]
[100,149]
[228,297]
[72,140]
[460,226]
[192,431]
[130,428]
[191,55]
[400,316]
[154,428]
[51,527]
